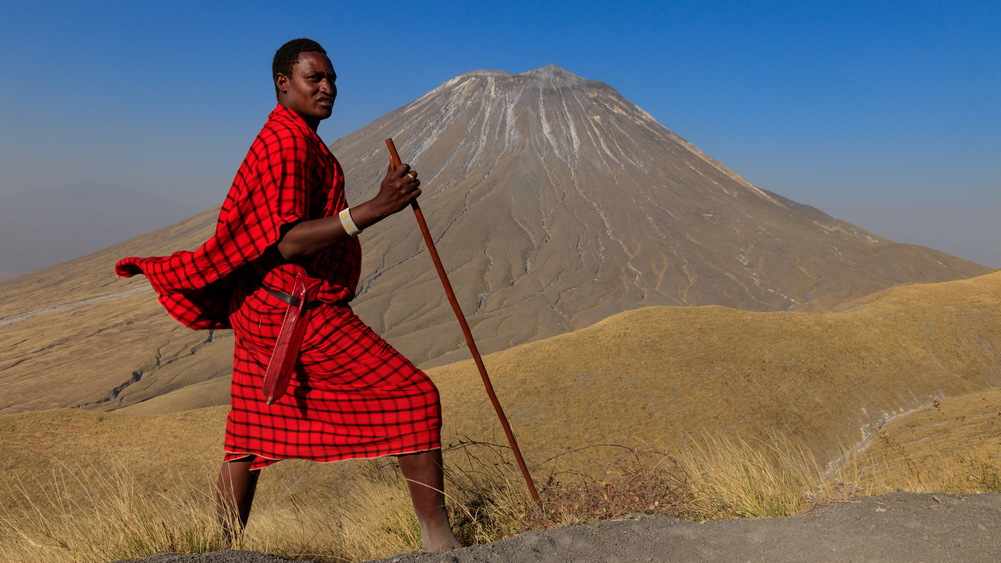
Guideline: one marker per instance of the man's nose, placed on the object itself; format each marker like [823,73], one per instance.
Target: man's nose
[326,86]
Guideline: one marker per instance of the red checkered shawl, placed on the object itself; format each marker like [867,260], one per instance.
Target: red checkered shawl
[288,176]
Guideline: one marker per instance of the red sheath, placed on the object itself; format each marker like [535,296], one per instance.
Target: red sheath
[289,339]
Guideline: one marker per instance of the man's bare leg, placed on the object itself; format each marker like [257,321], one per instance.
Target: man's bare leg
[237,484]
[427,489]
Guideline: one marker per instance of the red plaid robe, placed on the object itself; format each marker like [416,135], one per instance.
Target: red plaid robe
[352,394]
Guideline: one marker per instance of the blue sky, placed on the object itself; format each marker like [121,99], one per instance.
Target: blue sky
[885,114]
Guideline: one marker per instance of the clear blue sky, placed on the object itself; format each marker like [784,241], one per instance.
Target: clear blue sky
[885,114]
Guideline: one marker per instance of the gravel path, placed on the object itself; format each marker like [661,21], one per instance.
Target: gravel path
[899,527]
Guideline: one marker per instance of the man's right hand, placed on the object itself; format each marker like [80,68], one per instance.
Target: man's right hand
[399,188]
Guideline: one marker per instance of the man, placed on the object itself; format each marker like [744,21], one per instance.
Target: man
[285,217]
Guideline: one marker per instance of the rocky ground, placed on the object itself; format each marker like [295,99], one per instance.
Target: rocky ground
[896,528]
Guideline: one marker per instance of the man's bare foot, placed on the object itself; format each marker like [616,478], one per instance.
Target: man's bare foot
[427,489]
[439,540]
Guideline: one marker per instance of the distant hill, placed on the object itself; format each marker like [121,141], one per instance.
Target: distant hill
[91,353]
[45,227]
[657,374]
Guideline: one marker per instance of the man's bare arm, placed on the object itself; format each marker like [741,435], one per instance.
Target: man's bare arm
[309,237]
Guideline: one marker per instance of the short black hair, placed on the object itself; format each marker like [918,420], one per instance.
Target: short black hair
[287,55]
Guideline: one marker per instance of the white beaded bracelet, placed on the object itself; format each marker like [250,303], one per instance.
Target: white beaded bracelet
[348,223]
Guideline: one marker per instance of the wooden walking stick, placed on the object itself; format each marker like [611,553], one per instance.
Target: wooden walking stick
[465,330]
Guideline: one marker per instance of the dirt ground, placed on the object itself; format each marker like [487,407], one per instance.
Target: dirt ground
[899,527]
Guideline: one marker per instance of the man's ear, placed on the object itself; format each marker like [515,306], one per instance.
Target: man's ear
[281,82]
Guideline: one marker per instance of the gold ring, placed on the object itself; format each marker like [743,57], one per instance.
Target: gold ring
[412,175]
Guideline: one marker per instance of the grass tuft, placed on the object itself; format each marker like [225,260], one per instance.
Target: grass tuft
[91,514]
[736,478]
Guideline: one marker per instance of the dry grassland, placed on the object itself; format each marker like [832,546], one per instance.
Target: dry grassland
[159,451]
[359,510]
[738,414]
[89,486]
[654,376]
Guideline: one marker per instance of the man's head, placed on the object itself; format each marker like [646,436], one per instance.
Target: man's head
[305,80]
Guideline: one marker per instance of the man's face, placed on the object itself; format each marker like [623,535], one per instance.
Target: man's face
[311,90]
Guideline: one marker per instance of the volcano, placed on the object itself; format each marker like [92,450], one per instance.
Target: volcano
[555,203]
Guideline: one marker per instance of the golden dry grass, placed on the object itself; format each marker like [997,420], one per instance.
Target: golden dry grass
[770,398]
[748,479]
[160,452]
[104,513]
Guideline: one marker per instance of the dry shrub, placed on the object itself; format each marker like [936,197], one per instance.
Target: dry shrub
[489,500]
[715,477]
[630,485]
